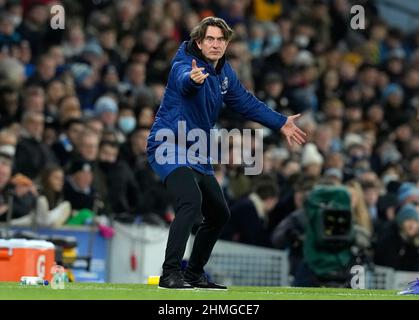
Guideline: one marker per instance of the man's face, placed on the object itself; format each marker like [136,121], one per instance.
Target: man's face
[410,227]
[83,178]
[288,53]
[10,101]
[137,74]
[313,170]
[270,203]
[108,153]
[214,45]
[74,131]
[39,14]
[108,39]
[35,126]
[6,27]
[109,118]
[146,117]
[89,147]
[55,91]
[35,99]
[139,141]
[47,68]
[69,108]
[371,196]
[414,167]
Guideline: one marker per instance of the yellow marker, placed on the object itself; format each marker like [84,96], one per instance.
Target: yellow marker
[154,280]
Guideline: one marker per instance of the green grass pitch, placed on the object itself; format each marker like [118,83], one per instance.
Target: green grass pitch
[110,291]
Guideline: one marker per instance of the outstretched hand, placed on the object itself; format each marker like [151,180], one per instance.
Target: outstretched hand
[291,131]
[196,73]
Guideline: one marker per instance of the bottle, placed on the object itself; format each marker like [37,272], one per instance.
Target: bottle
[58,277]
[32,281]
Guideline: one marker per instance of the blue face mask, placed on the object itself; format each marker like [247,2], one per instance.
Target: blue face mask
[126,124]
[275,41]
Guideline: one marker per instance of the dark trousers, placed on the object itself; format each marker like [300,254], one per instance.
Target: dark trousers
[195,195]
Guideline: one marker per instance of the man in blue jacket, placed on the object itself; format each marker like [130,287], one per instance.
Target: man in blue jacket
[200,81]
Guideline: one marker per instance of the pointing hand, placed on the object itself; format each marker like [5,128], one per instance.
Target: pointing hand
[196,73]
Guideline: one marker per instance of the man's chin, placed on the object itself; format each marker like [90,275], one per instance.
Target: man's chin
[213,58]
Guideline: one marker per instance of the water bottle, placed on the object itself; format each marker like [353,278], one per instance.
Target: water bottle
[58,277]
[33,281]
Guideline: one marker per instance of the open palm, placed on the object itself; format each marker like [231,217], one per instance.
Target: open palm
[292,132]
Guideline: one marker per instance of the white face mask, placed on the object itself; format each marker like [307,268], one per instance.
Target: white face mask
[302,40]
[389,177]
[127,124]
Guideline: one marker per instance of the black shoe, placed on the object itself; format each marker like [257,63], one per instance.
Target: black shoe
[174,280]
[202,282]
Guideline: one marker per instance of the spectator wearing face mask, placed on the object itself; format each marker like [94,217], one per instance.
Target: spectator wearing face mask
[126,120]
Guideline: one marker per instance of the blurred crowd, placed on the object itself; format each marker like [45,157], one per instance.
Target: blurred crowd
[76,107]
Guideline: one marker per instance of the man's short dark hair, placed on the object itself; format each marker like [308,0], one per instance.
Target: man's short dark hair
[266,187]
[140,128]
[70,122]
[109,143]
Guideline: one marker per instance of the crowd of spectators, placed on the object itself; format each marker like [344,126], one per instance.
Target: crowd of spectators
[76,107]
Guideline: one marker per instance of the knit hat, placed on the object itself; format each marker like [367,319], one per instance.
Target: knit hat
[406,190]
[408,211]
[80,165]
[391,89]
[304,59]
[80,72]
[311,155]
[397,53]
[93,48]
[272,77]
[392,156]
[335,173]
[7,151]
[280,153]
[105,104]
[352,139]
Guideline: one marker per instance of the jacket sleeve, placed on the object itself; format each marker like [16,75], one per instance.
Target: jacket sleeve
[286,233]
[245,103]
[23,205]
[181,74]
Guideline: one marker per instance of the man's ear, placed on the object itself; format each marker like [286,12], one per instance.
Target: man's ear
[198,43]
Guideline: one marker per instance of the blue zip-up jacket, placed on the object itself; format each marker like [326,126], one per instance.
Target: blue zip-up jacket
[199,106]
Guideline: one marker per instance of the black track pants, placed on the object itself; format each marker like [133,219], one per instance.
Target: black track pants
[195,195]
